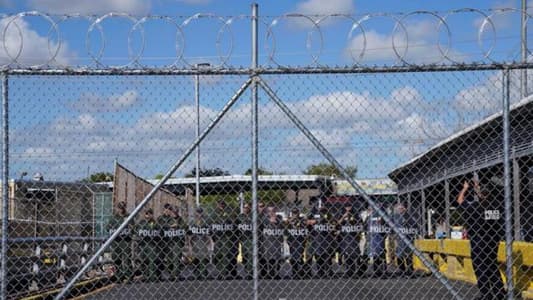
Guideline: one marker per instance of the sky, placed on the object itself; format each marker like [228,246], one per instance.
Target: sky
[66,127]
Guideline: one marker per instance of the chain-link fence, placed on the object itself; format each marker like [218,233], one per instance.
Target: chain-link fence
[207,182]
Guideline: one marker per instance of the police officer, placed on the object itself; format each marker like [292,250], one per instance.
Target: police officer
[200,243]
[148,232]
[121,247]
[377,232]
[163,249]
[322,241]
[407,225]
[351,228]
[296,237]
[225,239]
[173,239]
[262,220]
[483,218]
[272,246]
[246,239]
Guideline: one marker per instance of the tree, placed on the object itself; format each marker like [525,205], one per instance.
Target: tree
[260,171]
[326,169]
[99,177]
[159,176]
[208,172]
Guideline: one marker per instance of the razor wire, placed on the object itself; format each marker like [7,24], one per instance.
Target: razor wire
[403,42]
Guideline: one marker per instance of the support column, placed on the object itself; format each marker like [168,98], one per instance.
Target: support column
[255,152]
[447,202]
[5,186]
[424,213]
[516,199]
[507,184]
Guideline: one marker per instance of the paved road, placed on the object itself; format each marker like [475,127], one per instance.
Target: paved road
[366,288]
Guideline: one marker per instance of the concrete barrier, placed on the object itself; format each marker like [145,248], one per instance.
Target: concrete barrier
[453,259]
[522,267]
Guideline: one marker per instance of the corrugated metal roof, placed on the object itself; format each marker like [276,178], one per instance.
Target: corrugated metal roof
[468,129]
[244,178]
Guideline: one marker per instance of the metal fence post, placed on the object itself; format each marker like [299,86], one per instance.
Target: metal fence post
[5,185]
[507,185]
[255,144]
[423,212]
[197,106]
[516,198]
[523,47]
[448,207]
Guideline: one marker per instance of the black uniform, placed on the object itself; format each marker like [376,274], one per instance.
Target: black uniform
[271,248]
[262,221]
[121,248]
[297,233]
[200,239]
[377,233]
[323,241]
[406,223]
[174,231]
[350,229]
[226,242]
[484,222]
[149,234]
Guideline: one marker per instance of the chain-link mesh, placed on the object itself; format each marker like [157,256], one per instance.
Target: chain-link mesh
[372,183]
[87,149]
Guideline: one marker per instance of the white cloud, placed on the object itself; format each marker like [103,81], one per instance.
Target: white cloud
[341,118]
[356,110]
[178,122]
[195,2]
[407,96]
[38,151]
[421,46]
[82,124]
[500,19]
[481,98]
[34,46]
[414,127]
[333,137]
[316,9]
[91,102]
[320,7]
[479,101]
[91,7]
[367,129]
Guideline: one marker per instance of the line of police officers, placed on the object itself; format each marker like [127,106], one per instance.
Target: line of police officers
[211,244]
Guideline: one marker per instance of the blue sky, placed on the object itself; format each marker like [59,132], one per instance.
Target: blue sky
[68,126]
[236,7]
[197,40]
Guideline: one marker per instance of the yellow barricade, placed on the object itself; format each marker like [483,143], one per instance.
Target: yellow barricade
[522,255]
[453,259]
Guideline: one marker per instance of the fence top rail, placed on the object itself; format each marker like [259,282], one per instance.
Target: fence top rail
[53,239]
[270,71]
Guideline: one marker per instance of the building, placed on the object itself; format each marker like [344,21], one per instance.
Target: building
[430,181]
[52,226]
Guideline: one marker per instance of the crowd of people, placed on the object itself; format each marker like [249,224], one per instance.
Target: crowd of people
[219,245]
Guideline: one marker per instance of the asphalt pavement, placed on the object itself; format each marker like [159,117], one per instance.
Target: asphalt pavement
[420,288]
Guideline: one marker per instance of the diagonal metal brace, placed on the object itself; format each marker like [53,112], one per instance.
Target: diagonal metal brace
[354,184]
[146,199]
